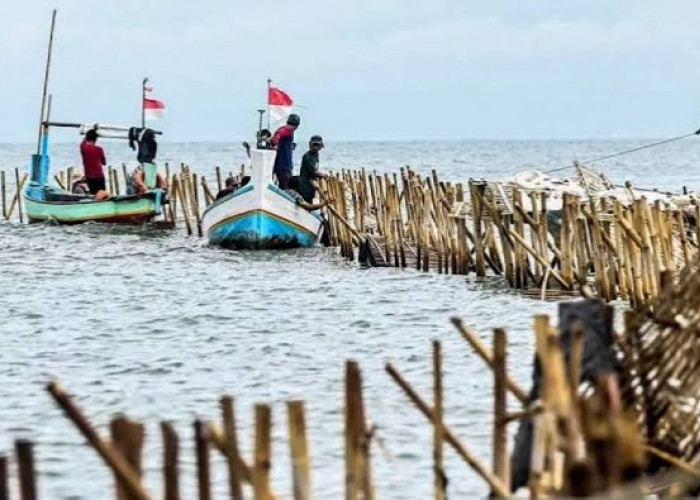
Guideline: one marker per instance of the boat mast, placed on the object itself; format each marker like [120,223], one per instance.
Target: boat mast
[143,102]
[46,83]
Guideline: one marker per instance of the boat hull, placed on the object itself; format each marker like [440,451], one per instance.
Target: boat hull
[257,230]
[124,210]
[260,215]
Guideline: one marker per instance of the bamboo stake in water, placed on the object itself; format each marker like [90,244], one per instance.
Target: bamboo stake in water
[440,481]
[126,177]
[500,431]
[235,468]
[110,179]
[183,203]
[25,464]
[19,194]
[171,483]
[496,485]
[16,197]
[111,457]
[202,452]
[485,353]
[4,479]
[4,193]
[299,450]
[219,184]
[261,470]
[127,438]
[357,452]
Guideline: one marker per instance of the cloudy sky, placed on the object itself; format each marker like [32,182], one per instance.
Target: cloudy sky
[361,69]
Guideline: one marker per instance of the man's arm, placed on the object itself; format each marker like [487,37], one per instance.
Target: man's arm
[311,207]
[102,157]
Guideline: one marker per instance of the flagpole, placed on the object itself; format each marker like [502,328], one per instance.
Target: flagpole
[143,102]
[269,82]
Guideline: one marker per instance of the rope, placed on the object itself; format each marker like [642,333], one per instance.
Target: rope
[607,157]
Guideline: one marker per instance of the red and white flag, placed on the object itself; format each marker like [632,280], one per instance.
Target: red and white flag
[153,109]
[280,104]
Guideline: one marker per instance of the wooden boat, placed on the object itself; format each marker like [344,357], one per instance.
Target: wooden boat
[260,215]
[49,203]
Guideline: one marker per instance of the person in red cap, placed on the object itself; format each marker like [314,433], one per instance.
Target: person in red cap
[93,159]
[283,140]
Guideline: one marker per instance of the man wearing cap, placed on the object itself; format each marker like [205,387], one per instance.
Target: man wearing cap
[309,169]
[283,140]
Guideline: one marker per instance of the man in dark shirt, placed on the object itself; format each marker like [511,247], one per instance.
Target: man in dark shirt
[283,140]
[93,160]
[309,169]
[231,186]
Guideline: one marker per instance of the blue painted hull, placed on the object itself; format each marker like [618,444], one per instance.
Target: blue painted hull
[258,229]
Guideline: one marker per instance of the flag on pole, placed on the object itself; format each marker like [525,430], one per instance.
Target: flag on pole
[280,104]
[153,109]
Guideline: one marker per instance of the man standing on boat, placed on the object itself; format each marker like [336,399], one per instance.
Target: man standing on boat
[283,140]
[309,173]
[93,160]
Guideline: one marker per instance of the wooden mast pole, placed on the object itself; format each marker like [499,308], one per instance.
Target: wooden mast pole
[46,82]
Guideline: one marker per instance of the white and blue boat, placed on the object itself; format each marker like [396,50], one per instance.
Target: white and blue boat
[260,215]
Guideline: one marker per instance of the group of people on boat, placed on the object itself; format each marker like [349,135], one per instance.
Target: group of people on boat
[143,178]
[302,188]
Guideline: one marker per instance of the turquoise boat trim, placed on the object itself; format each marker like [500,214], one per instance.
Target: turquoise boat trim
[260,229]
[284,194]
[50,203]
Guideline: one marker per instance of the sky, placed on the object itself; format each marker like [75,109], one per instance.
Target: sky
[361,69]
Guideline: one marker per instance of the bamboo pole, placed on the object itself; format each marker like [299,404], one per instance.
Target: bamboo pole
[59,182]
[25,463]
[4,479]
[203,468]
[496,485]
[183,204]
[485,353]
[261,470]
[171,482]
[3,194]
[127,439]
[299,450]
[476,214]
[235,467]
[219,184]
[110,180]
[209,197]
[111,457]
[500,429]
[19,194]
[126,177]
[357,444]
[117,188]
[440,480]
[16,197]
[174,190]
